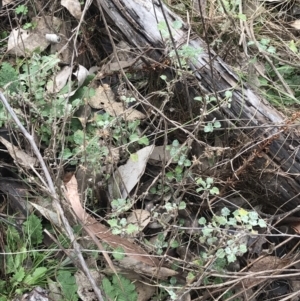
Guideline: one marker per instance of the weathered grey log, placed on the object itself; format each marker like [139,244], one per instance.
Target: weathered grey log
[137,21]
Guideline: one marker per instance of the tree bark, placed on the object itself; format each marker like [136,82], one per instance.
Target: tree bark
[276,144]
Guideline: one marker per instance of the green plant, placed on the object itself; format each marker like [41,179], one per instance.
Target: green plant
[120,226]
[168,290]
[185,53]
[3,36]
[87,141]
[18,256]
[171,207]
[206,185]
[160,189]
[85,148]
[8,78]
[265,45]
[210,126]
[275,93]
[207,98]
[159,243]
[118,253]
[119,288]
[222,239]
[120,206]
[53,114]
[228,98]
[21,9]
[29,25]
[26,268]
[179,155]
[68,285]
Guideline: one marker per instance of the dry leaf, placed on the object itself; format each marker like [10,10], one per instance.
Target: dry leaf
[264,264]
[296,227]
[18,155]
[104,98]
[139,217]
[48,214]
[144,292]
[117,66]
[15,39]
[83,113]
[60,80]
[161,154]
[85,290]
[17,193]
[73,6]
[21,41]
[5,2]
[54,290]
[128,175]
[81,74]
[139,267]
[101,231]
[63,76]
[296,24]
[185,297]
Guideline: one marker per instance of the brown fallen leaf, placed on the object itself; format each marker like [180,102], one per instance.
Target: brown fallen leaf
[21,42]
[140,218]
[18,155]
[264,264]
[141,268]
[104,98]
[92,226]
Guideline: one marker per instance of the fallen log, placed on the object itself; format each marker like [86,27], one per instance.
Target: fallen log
[275,142]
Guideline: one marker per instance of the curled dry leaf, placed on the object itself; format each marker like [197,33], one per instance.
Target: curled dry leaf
[296,24]
[83,114]
[63,76]
[81,74]
[18,155]
[73,6]
[128,175]
[48,214]
[104,98]
[296,227]
[60,80]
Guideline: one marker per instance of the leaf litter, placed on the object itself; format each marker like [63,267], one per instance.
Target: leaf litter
[163,208]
